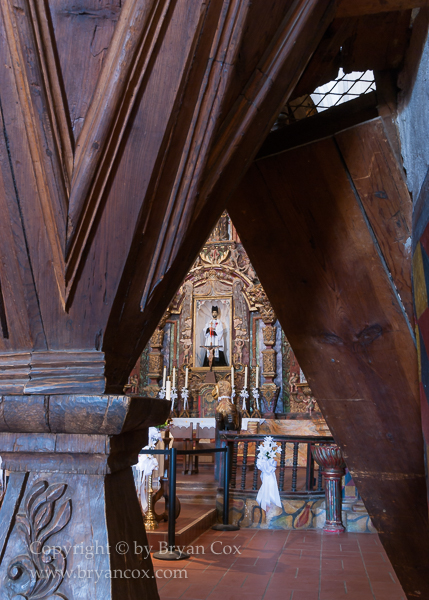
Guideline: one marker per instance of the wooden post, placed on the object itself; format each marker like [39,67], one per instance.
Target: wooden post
[64,518]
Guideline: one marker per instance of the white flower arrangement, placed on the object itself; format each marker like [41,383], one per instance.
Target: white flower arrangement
[268,449]
[162,393]
[232,393]
[269,491]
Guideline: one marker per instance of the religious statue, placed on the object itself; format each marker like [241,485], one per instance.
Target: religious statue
[227,416]
[214,342]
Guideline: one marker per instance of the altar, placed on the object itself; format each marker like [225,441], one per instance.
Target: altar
[219,326]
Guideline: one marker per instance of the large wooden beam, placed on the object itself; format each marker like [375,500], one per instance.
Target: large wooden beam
[304,219]
[350,8]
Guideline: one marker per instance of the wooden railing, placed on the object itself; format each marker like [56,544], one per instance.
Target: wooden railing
[296,472]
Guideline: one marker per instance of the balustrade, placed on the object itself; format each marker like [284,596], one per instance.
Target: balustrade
[296,471]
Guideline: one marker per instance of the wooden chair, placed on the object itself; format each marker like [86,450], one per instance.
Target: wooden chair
[203,433]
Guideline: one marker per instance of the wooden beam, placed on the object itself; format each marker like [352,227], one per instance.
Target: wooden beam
[325,124]
[189,194]
[379,183]
[351,8]
[307,237]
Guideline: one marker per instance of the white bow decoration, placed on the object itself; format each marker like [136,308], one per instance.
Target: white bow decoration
[147,463]
[269,491]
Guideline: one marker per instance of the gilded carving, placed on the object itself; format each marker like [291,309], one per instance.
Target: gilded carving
[155,365]
[221,232]
[38,574]
[259,300]
[270,393]
[157,338]
[238,351]
[269,335]
[269,363]
[214,254]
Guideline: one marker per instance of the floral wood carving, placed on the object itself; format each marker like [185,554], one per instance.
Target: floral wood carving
[259,299]
[37,575]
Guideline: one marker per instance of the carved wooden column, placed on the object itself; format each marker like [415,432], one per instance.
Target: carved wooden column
[156,363]
[270,391]
[330,459]
[65,525]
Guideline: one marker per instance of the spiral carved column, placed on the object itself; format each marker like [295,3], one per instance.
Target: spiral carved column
[330,459]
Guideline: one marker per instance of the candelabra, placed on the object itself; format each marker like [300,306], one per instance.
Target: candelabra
[256,411]
[149,519]
[174,397]
[185,396]
[244,394]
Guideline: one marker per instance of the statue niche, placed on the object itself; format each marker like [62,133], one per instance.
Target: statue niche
[227,416]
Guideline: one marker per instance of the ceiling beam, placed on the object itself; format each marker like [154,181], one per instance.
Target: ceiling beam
[351,8]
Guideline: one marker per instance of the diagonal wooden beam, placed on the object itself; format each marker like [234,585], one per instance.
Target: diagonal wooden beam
[127,64]
[351,8]
[43,111]
[307,235]
[211,172]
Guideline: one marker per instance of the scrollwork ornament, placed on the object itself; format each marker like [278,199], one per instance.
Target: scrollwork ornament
[38,574]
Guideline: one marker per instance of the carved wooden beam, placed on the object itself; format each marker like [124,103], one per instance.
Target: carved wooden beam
[314,241]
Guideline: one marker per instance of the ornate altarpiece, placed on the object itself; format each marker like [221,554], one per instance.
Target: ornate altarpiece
[222,275]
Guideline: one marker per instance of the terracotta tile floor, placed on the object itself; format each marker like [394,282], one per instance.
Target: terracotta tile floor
[281,565]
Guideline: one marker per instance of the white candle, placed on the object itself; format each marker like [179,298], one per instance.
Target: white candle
[186,377]
[164,377]
[168,390]
[257,377]
[232,377]
[245,377]
[174,378]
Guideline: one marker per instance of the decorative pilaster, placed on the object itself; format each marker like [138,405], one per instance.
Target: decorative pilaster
[156,363]
[270,391]
[330,459]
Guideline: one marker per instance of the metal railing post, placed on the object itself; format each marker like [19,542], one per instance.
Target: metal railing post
[171,553]
[225,526]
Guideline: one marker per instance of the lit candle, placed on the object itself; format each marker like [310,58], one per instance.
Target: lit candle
[245,377]
[164,377]
[232,376]
[186,377]
[257,377]
[168,390]
[174,378]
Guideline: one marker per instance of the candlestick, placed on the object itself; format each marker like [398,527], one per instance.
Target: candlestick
[174,377]
[168,390]
[186,377]
[245,377]
[232,376]
[257,377]
[164,377]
